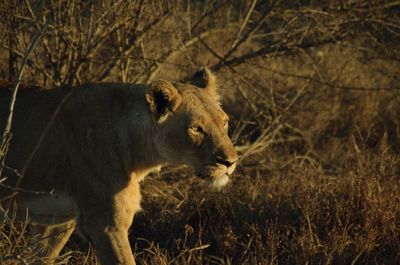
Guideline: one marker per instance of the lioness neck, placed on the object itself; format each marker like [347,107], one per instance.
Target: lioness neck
[140,156]
[135,132]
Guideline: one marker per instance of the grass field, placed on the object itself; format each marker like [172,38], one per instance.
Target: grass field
[297,215]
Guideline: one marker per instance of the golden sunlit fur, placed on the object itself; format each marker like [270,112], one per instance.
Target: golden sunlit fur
[82,152]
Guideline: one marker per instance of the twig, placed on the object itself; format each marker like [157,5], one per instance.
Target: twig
[268,50]
[244,24]
[322,82]
[155,68]
[7,130]
[240,40]
[132,45]
[17,188]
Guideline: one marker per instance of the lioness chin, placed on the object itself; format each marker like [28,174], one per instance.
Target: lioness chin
[83,151]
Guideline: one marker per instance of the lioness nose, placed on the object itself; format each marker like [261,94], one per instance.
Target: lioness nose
[227,162]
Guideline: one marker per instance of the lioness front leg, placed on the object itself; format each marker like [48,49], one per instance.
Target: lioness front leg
[112,245]
[107,225]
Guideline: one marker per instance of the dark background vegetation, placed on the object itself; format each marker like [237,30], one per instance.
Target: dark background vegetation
[313,92]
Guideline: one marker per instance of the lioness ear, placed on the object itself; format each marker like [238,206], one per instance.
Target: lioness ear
[204,78]
[163,98]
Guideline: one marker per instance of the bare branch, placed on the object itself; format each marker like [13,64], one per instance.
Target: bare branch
[7,131]
[269,50]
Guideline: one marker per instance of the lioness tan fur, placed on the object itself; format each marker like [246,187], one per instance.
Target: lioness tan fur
[82,152]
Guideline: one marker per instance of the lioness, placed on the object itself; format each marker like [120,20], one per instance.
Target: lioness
[83,151]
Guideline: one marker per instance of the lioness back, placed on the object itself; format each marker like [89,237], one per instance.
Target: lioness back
[36,109]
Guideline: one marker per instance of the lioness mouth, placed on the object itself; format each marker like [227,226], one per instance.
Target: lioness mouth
[219,181]
[215,181]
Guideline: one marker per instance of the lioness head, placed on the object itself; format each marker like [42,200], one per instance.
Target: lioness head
[192,127]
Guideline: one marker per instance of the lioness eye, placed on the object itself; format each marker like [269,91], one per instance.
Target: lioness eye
[196,129]
[226,123]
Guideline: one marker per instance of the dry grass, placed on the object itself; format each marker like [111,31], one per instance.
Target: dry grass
[313,94]
[297,216]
